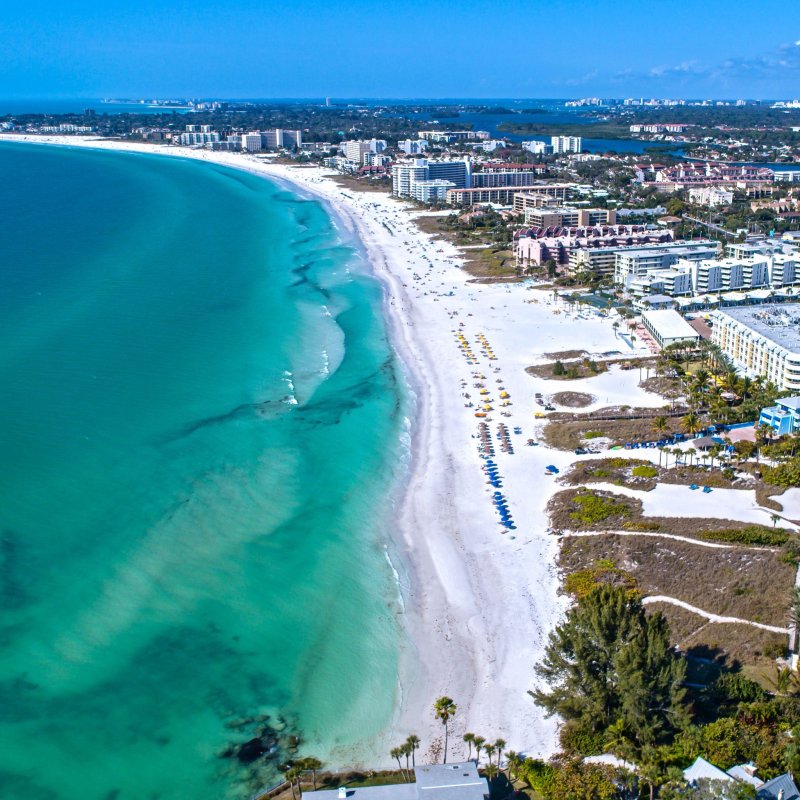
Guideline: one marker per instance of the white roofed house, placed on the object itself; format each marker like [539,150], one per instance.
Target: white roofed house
[434,782]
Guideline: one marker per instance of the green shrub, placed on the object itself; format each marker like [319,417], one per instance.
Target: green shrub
[645,471]
[594,508]
[735,687]
[605,571]
[558,368]
[642,525]
[600,473]
[752,534]
[593,434]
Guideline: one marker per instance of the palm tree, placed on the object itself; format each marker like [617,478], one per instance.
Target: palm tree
[691,423]
[701,378]
[691,452]
[618,741]
[489,749]
[444,708]
[784,682]
[500,744]
[615,326]
[313,764]
[513,762]
[478,741]
[469,738]
[491,771]
[775,520]
[413,742]
[396,752]
[406,749]
[292,775]
[660,424]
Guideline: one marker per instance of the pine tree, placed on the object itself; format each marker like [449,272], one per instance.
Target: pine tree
[609,662]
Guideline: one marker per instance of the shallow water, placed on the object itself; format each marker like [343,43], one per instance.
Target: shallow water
[200,426]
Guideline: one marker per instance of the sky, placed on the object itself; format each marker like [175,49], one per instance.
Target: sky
[403,49]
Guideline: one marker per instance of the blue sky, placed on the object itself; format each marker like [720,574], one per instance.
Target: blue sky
[463,48]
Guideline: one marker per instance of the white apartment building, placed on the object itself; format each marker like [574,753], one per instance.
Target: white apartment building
[537,148]
[566,144]
[711,196]
[191,139]
[430,190]
[376,160]
[354,150]
[490,145]
[762,340]
[636,262]
[404,175]
[718,275]
[413,147]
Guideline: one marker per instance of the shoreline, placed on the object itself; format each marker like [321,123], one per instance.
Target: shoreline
[478,604]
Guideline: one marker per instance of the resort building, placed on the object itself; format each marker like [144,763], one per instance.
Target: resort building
[406,173]
[783,417]
[582,248]
[458,172]
[762,341]
[667,327]
[430,190]
[490,178]
[251,142]
[448,137]
[542,194]
[435,782]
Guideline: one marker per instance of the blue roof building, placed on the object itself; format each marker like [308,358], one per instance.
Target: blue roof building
[783,417]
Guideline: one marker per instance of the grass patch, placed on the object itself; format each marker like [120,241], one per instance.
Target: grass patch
[489,263]
[566,434]
[727,645]
[749,584]
[644,471]
[383,186]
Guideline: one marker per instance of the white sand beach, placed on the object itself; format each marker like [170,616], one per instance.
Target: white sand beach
[479,599]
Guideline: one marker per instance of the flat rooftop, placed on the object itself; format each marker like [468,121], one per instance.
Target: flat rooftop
[670,247]
[670,324]
[780,323]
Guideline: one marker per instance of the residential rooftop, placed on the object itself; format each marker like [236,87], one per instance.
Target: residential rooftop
[434,782]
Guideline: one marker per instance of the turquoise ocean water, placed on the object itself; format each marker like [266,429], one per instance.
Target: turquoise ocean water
[201,422]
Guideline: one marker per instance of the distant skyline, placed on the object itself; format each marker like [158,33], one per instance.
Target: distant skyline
[562,48]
